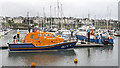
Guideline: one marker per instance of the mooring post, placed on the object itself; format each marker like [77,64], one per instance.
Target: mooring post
[18,34]
[29,28]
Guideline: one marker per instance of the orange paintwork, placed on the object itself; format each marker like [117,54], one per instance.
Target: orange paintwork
[91,33]
[42,40]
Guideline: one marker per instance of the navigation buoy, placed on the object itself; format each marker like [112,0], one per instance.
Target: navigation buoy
[75,61]
[33,65]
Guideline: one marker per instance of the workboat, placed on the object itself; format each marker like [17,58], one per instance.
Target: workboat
[99,38]
[39,41]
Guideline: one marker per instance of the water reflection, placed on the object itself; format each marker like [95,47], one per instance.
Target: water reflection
[105,49]
[41,58]
[88,52]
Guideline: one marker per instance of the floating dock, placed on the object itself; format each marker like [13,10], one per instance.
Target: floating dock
[86,44]
[89,45]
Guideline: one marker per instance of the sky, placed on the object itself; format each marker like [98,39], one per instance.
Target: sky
[107,9]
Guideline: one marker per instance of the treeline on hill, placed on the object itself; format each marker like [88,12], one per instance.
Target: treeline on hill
[11,24]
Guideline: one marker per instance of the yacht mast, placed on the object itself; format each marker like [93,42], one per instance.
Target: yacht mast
[61,17]
[58,7]
[58,12]
[28,18]
[50,17]
[55,11]
[88,22]
[107,17]
[95,21]
[39,19]
[110,20]
[44,18]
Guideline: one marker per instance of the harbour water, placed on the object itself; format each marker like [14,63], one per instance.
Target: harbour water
[88,56]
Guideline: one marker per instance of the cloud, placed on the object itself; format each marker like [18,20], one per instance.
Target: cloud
[76,8]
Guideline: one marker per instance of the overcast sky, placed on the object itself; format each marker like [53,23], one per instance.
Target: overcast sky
[74,8]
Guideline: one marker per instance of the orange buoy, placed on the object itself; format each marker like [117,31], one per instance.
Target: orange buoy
[33,65]
[75,60]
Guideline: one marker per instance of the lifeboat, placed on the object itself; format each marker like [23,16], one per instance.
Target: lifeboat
[41,41]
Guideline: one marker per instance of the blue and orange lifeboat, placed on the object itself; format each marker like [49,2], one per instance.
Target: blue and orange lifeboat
[36,41]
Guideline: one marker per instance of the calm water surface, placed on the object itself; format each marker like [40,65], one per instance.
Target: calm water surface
[94,56]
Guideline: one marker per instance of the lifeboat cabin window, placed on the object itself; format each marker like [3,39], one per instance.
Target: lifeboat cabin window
[31,36]
[48,35]
[39,35]
[52,35]
[44,34]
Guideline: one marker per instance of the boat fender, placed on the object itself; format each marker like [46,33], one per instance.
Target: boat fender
[14,40]
[17,40]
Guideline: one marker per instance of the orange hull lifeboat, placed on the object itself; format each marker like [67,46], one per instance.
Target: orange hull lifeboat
[41,41]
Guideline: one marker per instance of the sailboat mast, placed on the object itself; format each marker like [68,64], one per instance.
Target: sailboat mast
[88,21]
[107,17]
[28,18]
[95,21]
[61,17]
[110,20]
[58,7]
[58,12]
[88,17]
[50,17]
[55,11]
[38,19]
[44,18]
